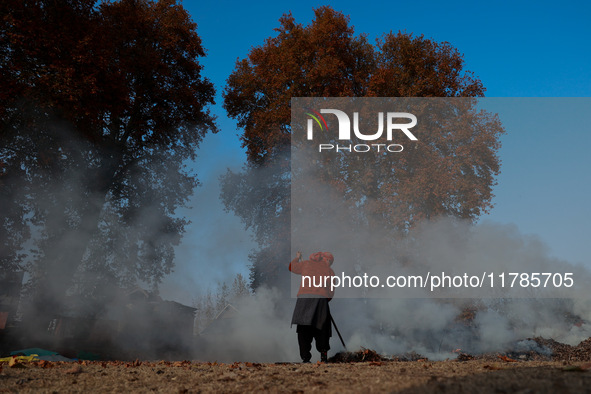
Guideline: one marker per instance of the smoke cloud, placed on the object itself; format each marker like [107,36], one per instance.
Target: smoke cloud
[436,326]
[260,330]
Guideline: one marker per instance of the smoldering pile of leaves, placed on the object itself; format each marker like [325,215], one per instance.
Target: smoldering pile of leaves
[563,352]
[362,355]
[537,349]
[368,355]
[531,349]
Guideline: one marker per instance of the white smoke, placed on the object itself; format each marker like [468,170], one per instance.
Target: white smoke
[494,321]
[434,327]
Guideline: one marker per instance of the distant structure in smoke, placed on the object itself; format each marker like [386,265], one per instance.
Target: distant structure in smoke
[219,323]
[131,324]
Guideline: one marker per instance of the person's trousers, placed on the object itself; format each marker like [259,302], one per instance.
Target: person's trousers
[308,333]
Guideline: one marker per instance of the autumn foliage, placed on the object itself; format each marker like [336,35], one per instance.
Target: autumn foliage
[449,173]
[327,59]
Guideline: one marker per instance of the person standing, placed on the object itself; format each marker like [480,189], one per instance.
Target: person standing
[312,312]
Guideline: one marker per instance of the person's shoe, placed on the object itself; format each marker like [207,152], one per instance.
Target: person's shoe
[306,361]
[324,357]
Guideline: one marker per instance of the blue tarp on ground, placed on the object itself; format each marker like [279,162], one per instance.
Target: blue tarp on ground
[33,350]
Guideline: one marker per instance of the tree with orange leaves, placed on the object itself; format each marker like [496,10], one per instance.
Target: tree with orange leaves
[451,176]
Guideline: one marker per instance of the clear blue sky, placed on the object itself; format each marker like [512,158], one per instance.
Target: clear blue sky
[517,49]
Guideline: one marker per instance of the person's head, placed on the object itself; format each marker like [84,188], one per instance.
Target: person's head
[322,256]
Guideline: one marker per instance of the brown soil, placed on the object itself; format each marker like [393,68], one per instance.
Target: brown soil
[482,376]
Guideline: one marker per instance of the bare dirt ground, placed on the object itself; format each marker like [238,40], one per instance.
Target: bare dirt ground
[493,376]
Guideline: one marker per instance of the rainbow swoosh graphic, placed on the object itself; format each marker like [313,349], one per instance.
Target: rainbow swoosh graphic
[316,115]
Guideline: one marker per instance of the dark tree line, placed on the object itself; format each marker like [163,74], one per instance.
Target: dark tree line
[101,105]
